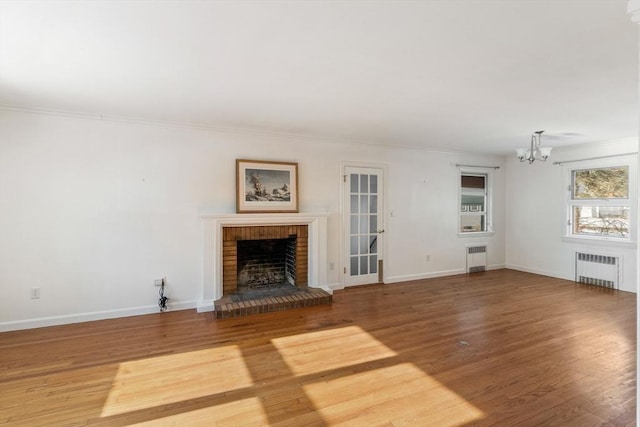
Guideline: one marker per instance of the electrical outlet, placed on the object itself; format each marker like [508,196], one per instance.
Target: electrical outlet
[35,293]
[157,282]
[332,266]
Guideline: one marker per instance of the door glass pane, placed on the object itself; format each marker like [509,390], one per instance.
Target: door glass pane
[354,224]
[373,224]
[373,244]
[354,266]
[354,204]
[374,204]
[354,183]
[353,246]
[364,245]
[364,224]
[373,184]
[364,264]
[364,183]
[364,204]
[373,264]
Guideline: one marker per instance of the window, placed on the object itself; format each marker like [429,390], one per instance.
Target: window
[474,203]
[599,202]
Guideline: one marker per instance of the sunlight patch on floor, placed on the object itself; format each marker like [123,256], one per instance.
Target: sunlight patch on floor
[321,351]
[400,394]
[363,385]
[249,410]
[148,383]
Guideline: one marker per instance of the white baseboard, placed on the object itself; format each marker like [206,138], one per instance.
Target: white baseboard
[87,317]
[537,271]
[431,275]
[326,288]
[570,277]
[419,276]
[205,306]
[335,287]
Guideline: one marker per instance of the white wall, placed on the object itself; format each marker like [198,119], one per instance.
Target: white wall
[424,200]
[93,211]
[536,216]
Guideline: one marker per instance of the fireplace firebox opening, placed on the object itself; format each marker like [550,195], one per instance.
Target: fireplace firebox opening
[278,254]
[266,264]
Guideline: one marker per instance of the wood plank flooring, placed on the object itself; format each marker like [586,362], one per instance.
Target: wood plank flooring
[501,348]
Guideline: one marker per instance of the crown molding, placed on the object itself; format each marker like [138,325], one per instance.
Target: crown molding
[222,129]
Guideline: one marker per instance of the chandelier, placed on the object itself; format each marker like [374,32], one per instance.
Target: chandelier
[535,152]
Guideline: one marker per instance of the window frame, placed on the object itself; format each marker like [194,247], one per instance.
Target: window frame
[569,202]
[488,174]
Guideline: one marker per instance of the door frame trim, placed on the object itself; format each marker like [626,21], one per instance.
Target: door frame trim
[385,205]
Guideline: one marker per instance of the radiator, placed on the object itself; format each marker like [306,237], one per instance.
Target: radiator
[598,270]
[476,258]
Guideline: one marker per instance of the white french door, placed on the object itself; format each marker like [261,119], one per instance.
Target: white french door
[364,225]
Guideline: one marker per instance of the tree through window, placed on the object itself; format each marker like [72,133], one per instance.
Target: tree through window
[600,202]
[605,183]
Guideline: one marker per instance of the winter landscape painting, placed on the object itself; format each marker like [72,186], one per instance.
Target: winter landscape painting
[264,186]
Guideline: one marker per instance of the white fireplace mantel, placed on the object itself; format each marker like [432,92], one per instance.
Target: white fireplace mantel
[212,248]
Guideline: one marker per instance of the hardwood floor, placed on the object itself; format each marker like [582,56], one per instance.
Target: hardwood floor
[500,348]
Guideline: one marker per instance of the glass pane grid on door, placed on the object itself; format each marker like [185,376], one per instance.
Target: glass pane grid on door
[363,236]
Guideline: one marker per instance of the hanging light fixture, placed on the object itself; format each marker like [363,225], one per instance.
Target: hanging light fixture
[535,152]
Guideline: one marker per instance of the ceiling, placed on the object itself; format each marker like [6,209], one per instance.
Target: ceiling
[477,76]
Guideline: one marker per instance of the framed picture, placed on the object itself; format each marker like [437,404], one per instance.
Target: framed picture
[266,187]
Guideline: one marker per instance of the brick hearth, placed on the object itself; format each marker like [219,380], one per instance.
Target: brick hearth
[233,305]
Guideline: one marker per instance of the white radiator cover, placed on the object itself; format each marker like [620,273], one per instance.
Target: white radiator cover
[598,269]
[476,258]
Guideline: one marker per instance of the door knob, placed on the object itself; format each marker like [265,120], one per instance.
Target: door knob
[380,231]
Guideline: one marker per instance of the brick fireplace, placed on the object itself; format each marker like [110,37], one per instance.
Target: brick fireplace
[311,267]
[262,256]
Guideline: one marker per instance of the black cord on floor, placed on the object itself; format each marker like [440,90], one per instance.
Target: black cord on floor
[162,301]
